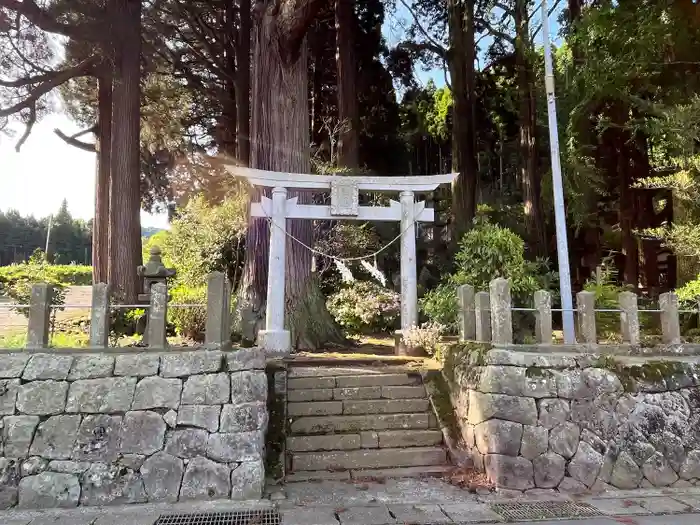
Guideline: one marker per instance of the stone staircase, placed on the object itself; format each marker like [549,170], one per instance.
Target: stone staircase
[360,422]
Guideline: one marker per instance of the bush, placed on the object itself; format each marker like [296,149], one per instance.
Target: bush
[426,336]
[65,275]
[607,293]
[441,306]
[486,252]
[365,307]
[16,282]
[205,238]
[189,322]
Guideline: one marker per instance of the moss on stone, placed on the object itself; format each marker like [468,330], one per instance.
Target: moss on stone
[439,393]
[657,371]
[276,429]
[535,372]
[463,355]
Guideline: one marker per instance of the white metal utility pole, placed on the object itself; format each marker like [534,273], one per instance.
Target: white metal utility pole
[558,187]
[48,235]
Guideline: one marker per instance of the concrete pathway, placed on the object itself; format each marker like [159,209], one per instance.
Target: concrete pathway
[396,502]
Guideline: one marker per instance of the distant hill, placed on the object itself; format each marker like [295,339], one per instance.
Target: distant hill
[148,232]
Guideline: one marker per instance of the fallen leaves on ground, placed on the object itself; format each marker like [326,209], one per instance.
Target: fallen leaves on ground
[469,479]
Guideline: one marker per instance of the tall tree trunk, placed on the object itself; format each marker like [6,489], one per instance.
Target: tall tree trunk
[229,110]
[461,57]
[280,142]
[125,195]
[103,147]
[530,177]
[348,114]
[243,82]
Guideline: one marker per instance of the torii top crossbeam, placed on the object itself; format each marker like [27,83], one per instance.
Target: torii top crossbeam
[270,179]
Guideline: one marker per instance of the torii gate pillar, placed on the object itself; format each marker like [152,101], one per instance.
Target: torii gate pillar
[275,338]
[409,280]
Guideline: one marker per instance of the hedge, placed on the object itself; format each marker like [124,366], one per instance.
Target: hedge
[67,274]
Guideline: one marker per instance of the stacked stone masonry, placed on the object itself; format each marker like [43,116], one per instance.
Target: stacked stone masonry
[100,429]
[578,422]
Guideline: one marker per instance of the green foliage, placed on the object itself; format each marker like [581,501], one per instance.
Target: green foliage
[20,238]
[689,293]
[189,322]
[126,322]
[13,341]
[486,252]
[65,275]
[38,256]
[204,238]
[365,307]
[345,240]
[607,293]
[16,281]
[440,305]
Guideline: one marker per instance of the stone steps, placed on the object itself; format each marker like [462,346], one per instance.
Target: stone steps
[368,458]
[370,474]
[368,439]
[360,422]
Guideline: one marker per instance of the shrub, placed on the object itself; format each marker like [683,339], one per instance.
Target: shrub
[426,336]
[607,293]
[441,306]
[126,322]
[365,307]
[486,252]
[65,275]
[189,322]
[17,281]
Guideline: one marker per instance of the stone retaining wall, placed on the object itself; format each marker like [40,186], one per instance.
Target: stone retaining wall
[99,429]
[576,422]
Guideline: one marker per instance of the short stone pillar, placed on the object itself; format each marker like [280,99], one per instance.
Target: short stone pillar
[629,318]
[482,317]
[501,314]
[670,323]
[39,315]
[275,338]
[218,324]
[543,317]
[157,316]
[99,316]
[585,309]
[467,329]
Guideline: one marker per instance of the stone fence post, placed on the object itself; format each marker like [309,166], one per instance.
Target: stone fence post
[670,323]
[39,315]
[629,318]
[157,316]
[501,314]
[482,317]
[218,324]
[99,316]
[467,329]
[585,309]
[543,317]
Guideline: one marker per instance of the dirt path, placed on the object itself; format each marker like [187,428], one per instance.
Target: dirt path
[12,322]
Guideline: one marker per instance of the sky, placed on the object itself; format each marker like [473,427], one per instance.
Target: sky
[47,170]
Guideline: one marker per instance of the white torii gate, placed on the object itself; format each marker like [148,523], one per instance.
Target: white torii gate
[344,205]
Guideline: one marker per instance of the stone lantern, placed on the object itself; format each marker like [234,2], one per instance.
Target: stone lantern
[153,272]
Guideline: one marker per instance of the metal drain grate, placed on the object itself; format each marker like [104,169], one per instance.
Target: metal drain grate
[545,510]
[239,517]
